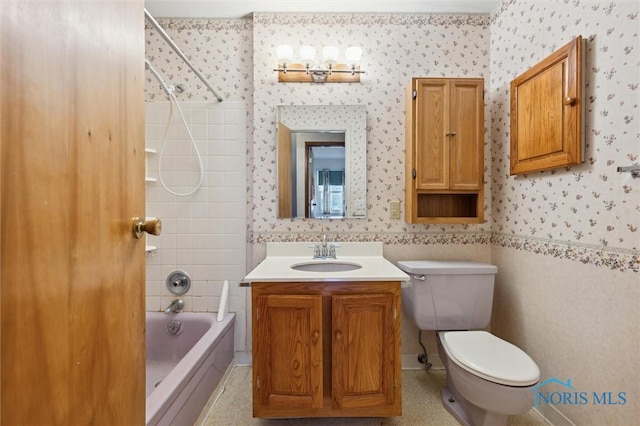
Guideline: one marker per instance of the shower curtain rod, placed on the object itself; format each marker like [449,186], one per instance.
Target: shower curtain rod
[176,49]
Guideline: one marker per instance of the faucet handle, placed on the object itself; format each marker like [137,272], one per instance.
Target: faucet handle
[316,250]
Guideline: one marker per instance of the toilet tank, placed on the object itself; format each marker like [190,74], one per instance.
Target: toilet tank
[448,295]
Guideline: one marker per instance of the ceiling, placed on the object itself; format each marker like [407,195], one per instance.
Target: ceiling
[241,8]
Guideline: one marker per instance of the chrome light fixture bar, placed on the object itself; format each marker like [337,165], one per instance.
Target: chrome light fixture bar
[331,71]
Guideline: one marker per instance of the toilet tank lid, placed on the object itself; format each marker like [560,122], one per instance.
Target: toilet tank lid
[446,267]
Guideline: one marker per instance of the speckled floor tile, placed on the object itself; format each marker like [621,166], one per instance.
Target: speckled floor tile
[421,405]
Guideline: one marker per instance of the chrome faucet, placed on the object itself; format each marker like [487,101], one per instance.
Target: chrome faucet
[174,306]
[324,250]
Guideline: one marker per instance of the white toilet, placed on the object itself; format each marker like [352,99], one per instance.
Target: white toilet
[488,378]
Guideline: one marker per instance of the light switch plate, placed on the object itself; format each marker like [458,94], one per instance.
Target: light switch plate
[394,209]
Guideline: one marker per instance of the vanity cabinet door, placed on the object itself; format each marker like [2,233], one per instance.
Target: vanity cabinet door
[287,340]
[365,352]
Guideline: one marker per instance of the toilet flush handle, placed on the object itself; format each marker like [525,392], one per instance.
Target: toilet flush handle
[419,277]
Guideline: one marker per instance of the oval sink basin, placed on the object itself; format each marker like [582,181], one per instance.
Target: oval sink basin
[326,266]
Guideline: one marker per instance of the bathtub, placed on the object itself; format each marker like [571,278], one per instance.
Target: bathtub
[184,369]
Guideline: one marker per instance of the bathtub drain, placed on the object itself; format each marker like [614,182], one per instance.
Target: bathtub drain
[173,327]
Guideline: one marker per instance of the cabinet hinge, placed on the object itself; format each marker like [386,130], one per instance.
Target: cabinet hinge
[414,94]
[258,382]
[257,313]
[395,312]
[413,173]
[395,381]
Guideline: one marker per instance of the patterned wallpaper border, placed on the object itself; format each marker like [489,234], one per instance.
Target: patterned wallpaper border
[182,24]
[615,259]
[404,238]
[377,20]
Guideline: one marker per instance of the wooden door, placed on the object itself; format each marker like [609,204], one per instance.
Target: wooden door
[286,188]
[365,351]
[466,134]
[431,140]
[71,179]
[287,351]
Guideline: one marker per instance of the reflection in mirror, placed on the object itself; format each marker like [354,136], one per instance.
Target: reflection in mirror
[322,161]
[325,169]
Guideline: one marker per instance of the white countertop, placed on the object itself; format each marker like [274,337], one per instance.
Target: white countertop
[276,267]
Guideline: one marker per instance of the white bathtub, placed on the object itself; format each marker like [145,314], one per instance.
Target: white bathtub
[184,369]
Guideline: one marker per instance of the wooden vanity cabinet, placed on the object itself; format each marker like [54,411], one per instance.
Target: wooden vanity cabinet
[445,150]
[326,349]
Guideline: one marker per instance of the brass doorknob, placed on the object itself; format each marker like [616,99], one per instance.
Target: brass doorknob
[150,225]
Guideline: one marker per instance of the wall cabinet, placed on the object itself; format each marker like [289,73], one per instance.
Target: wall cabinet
[326,349]
[445,150]
[547,112]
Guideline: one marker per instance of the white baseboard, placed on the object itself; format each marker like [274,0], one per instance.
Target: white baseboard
[217,392]
[552,416]
[242,358]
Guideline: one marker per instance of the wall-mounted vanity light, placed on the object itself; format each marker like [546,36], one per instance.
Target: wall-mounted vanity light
[329,71]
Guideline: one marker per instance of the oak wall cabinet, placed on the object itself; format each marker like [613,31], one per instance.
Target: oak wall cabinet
[326,349]
[444,150]
[547,109]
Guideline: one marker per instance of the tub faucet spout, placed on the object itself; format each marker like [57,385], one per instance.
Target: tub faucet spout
[174,306]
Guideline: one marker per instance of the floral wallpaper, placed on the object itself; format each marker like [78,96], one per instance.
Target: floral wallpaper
[395,49]
[588,212]
[220,49]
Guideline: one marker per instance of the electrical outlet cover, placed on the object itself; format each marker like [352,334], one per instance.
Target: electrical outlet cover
[394,209]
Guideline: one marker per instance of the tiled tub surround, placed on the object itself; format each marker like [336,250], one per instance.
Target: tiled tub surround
[583,221]
[203,234]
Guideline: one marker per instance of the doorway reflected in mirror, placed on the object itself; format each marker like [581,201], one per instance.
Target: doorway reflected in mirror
[322,161]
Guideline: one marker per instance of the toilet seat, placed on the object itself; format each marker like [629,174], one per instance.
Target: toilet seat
[487,356]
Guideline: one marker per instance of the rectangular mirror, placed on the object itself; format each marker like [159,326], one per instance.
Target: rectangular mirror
[322,170]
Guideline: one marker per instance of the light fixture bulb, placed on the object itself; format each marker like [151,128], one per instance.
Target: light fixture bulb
[285,54]
[308,56]
[330,56]
[353,55]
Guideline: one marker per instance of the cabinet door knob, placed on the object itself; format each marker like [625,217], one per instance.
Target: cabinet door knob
[150,225]
[451,133]
[338,335]
[314,337]
[569,101]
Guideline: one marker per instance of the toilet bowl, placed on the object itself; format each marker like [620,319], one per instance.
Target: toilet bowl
[488,379]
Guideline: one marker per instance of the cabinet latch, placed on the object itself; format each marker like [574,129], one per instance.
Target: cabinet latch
[414,94]
[413,173]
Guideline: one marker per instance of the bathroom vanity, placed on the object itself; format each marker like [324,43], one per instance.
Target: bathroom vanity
[326,333]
